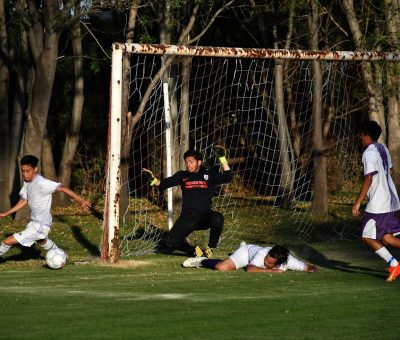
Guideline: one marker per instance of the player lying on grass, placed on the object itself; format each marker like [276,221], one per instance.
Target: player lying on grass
[197,185]
[380,223]
[254,258]
[37,193]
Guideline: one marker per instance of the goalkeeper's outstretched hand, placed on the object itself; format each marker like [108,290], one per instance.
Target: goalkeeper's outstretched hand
[150,176]
[220,152]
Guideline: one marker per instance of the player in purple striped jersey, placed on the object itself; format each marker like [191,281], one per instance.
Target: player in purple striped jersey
[380,223]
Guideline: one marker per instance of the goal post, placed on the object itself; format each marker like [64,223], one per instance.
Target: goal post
[222,95]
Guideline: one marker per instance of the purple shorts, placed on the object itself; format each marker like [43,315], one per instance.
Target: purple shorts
[375,226]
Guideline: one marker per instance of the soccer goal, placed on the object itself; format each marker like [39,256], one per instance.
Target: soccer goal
[282,115]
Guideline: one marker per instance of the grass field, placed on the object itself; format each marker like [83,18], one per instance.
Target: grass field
[153,297]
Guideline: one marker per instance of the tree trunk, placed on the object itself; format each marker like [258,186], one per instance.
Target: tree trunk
[4,117]
[184,110]
[127,123]
[374,107]
[393,90]
[43,41]
[320,191]
[286,152]
[47,163]
[72,138]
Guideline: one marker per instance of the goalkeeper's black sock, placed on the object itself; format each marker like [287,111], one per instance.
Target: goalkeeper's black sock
[210,263]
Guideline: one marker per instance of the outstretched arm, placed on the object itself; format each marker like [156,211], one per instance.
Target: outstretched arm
[82,202]
[21,203]
[153,180]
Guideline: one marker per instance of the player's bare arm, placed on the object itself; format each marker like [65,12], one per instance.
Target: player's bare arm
[254,269]
[21,203]
[86,205]
[310,269]
[363,193]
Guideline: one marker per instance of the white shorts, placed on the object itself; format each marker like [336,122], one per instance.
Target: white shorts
[240,257]
[32,233]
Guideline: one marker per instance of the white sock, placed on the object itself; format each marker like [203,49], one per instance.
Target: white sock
[4,249]
[48,244]
[389,258]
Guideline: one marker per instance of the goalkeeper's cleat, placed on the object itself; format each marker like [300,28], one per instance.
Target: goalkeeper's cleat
[208,252]
[193,262]
[198,252]
[393,273]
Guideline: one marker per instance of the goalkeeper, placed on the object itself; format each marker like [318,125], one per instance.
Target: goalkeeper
[197,186]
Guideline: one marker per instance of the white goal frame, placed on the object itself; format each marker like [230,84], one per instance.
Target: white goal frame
[111,221]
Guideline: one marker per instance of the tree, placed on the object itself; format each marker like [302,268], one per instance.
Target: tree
[320,190]
[392,8]
[375,106]
[4,117]
[72,137]
[43,36]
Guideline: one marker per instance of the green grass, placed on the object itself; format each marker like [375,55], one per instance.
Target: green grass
[153,297]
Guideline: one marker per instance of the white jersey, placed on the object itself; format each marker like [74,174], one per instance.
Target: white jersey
[38,193]
[254,255]
[382,194]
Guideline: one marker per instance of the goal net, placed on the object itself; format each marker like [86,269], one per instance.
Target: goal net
[260,105]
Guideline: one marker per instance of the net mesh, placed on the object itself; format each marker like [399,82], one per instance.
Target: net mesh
[265,126]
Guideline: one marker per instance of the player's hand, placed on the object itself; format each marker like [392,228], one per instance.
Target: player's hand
[356,209]
[86,205]
[220,152]
[148,174]
[2,215]
[311,269]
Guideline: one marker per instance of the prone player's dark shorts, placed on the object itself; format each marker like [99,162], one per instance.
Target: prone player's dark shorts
[375,226]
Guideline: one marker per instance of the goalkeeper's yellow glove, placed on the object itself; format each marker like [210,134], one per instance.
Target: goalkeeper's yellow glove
[150,176]
[220,152]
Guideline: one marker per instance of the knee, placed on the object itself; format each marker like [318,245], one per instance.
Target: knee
[10,241]
[174,240]
[222,267]
[387,239]
[367,241]
[217,219]
[41,242]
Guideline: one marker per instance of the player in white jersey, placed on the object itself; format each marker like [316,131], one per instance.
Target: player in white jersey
[380,223]
[37,194]
[254,259]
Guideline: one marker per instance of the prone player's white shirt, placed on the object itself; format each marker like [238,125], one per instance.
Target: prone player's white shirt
[379,197]
[254,255]
[38,193]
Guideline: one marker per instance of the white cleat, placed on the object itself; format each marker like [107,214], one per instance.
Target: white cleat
[242,244]
[193,262]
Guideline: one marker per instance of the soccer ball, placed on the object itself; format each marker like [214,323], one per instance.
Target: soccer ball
[56,258]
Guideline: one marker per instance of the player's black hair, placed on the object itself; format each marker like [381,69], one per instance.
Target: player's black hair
[279,253]
[193,153]
[30,160]
[371,128]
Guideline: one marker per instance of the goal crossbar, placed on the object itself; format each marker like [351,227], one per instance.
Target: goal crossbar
[255,53]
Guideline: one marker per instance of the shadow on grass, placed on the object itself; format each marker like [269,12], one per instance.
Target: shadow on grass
[84,242]
[315,257]
[26,253]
